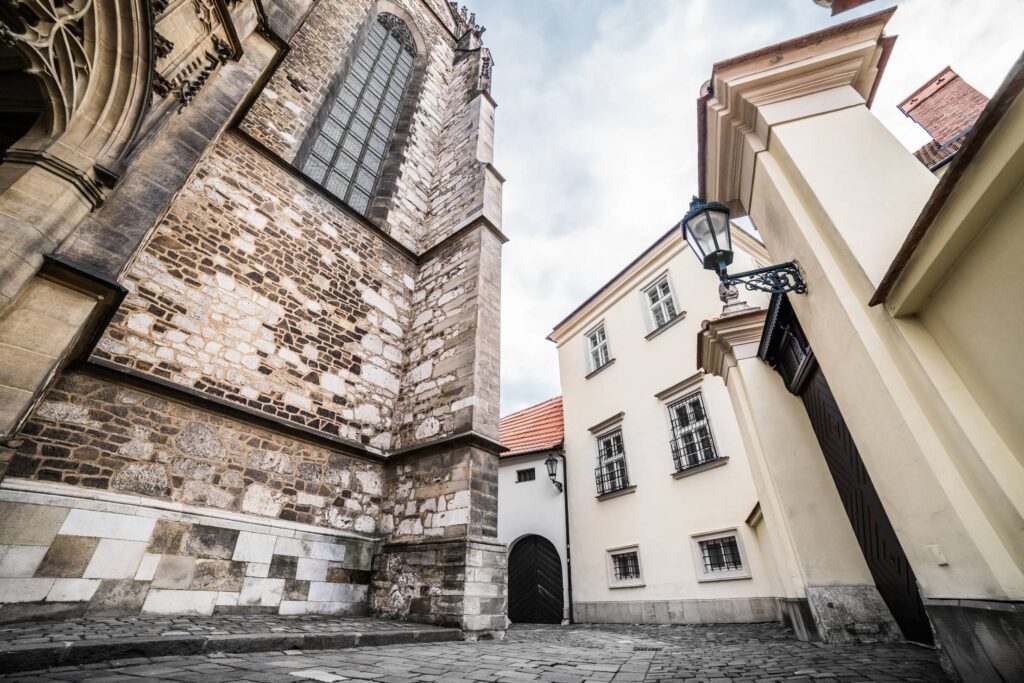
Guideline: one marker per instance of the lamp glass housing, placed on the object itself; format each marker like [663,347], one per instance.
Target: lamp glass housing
[707,230]
[552,464]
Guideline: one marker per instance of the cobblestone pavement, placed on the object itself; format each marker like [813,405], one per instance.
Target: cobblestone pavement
[570,654]
[65,630]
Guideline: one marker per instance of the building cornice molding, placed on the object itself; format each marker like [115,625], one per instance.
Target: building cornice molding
[725,341]
[733,128]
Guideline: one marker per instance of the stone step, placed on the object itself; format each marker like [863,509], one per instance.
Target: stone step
[33,656]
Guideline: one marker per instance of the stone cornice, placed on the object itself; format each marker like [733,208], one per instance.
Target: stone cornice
[724,341]
[733,129]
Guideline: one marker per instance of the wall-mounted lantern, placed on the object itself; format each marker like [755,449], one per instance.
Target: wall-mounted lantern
[552,464]
[708,231]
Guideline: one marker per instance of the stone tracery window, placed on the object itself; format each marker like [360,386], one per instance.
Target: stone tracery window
[348,146]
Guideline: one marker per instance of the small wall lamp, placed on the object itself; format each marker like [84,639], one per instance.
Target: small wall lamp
[552,464]
[708,231]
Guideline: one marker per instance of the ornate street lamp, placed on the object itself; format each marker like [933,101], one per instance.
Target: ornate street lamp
[708,231]
[552,464]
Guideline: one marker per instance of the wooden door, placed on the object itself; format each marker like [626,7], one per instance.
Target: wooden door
[534,582]
[785,347]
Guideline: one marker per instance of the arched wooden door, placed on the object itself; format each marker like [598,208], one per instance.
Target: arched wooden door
[534,582]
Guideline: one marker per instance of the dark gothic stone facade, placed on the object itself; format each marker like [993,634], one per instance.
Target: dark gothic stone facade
[250,320]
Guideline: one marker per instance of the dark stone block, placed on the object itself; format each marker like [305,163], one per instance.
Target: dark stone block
[983,640]
[218,575]
[283,567]
[67,557]
[168,537]
[211,541]
[118,598]
[295,590]
[32,611]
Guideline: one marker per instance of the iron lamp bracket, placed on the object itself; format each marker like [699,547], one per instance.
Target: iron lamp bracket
[777,279]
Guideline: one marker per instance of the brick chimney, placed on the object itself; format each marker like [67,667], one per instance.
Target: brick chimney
[946,106]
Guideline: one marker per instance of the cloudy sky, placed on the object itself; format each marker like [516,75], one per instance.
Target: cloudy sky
[596,128]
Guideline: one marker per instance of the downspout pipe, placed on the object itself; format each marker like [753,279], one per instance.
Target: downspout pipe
[568,553]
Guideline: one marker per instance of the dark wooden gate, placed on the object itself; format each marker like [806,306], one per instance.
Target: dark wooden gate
[785,347]
[534,582]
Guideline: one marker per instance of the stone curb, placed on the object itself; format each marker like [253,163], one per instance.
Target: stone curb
[36,656]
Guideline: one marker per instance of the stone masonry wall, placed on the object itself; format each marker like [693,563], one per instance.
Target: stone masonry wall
[63,555]
[255,289]
[283,113]
[93,434]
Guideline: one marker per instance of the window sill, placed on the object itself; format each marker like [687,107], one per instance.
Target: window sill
[594,372]
[736,576]
[616,494]
[670,323]
[637,584]
[717,462]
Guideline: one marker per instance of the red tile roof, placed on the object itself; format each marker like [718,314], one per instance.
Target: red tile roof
[538,428]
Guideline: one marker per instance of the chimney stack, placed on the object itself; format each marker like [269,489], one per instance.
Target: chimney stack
[946,106]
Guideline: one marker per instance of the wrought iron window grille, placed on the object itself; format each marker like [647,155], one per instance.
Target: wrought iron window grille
[626,566]
[721,555]
[610,473]
[692,443]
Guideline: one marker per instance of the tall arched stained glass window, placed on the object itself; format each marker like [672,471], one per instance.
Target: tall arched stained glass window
[348,149]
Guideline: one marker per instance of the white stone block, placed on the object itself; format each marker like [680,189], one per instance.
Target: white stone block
[311,570]
[261,592]
[160,601]
[107,525]
[24,590]
[72,590]
[253,547]
[20,560]
[294,607]
[294,547]
[321,591]
[147,568]
[229,599]
[257,569]
[327,551]
[115,559]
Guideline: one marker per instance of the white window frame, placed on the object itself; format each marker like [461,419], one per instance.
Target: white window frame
[621,457]
[589,348]
[610,565]
[674,400]
[698,557]
[670,298]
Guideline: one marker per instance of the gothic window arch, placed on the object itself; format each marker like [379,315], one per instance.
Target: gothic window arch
[355,125]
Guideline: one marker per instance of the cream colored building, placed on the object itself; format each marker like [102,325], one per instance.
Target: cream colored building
[914,313]
[660,494]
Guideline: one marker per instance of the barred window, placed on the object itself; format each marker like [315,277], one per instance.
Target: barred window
[348,147]
[526,475]
[721,555]
[692,443]
[597,346]
[660,303]
[624,567]
[611,472]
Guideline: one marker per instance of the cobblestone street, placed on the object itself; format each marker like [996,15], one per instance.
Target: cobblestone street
[749,652]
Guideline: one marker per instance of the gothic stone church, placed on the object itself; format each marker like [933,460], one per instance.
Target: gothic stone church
[249,307]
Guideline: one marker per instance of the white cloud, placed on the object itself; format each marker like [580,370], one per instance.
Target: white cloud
[596,129]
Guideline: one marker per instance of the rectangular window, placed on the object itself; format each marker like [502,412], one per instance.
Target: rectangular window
[660,303]
[597,347]
[692,444]
[624,567]
[526,475]
[611,472]
[719,556]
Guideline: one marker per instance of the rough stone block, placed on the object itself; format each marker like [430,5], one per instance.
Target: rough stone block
[20,560]
[25,524]
[168,537]
[220,575]
[211,541]
[283,567]
[118,598]
[68,556]
[115,559]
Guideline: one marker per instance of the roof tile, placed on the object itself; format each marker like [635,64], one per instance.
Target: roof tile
[538,428]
